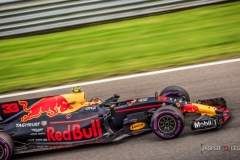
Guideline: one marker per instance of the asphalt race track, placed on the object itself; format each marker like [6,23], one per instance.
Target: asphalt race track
[206,82]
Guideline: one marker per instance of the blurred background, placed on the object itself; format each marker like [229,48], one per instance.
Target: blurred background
[53,42]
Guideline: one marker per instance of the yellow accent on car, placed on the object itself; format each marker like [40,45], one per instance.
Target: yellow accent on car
[204,109]
[78,99]
[112,106]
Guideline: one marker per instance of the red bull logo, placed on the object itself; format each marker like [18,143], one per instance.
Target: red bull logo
[50,105]
[190,108]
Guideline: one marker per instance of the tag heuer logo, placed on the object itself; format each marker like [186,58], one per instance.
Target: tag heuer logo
[44,123]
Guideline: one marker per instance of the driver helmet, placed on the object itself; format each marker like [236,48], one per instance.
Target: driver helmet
[95,101]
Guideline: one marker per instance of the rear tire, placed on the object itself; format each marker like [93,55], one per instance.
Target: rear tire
[6,146]
[175,92]
[167,122]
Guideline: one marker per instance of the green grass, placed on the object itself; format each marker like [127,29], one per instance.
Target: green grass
[145,44]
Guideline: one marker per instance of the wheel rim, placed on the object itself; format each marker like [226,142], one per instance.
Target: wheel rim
[1,152]
[166,124]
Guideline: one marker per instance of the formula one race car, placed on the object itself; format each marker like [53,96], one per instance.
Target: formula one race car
[68,120]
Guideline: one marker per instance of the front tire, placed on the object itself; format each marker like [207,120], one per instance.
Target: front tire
[167,122]
[6,146]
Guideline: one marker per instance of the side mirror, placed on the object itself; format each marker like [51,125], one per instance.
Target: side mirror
[116,96]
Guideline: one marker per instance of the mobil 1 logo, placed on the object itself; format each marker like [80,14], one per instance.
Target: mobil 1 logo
[204,124]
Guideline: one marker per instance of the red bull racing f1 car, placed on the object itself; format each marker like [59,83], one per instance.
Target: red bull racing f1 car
[69,120]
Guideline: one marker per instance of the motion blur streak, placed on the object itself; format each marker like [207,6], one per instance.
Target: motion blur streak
[123,77]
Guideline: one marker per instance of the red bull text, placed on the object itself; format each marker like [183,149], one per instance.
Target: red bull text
[74,132]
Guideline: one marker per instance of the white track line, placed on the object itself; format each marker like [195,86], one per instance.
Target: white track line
[120,78]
